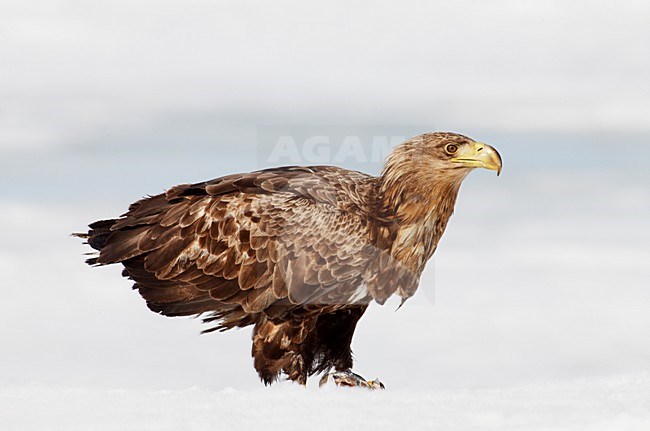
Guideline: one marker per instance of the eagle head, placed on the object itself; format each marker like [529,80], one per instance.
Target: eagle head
[436,158]
[451,153]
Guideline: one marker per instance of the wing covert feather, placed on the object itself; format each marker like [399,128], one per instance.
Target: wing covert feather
[261,242]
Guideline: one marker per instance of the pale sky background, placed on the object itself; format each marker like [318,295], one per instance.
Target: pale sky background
[80,73]
[104,102]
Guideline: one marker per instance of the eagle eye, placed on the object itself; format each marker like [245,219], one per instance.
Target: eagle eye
[451,148]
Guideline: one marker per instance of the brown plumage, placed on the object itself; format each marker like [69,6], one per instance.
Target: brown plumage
[298,252]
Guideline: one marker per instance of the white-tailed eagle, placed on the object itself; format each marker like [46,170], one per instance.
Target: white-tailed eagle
[296,252]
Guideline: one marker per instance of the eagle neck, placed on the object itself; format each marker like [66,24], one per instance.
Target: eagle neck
[419,207]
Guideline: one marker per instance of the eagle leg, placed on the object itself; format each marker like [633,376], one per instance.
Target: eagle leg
[350,378]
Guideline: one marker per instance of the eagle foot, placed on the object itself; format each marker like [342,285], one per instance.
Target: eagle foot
[350,378]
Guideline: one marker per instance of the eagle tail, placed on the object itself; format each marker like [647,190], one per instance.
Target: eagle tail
[96,236]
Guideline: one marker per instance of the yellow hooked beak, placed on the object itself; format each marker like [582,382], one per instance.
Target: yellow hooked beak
[478,155]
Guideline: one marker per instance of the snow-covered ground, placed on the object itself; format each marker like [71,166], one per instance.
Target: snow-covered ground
[607,404]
